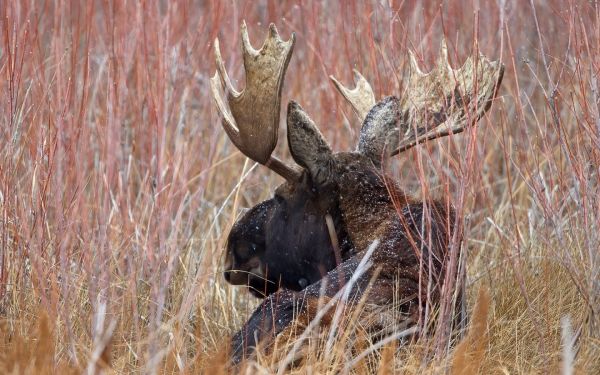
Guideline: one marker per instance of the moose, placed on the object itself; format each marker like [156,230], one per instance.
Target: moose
[334,209]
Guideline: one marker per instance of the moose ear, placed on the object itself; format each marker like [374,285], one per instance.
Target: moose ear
[379,134]
[308,146]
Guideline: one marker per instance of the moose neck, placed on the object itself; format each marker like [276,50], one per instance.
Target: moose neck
[367,199]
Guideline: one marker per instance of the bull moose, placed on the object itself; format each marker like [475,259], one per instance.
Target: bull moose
[307,241]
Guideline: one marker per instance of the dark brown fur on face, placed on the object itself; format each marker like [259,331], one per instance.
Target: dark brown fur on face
[285,242]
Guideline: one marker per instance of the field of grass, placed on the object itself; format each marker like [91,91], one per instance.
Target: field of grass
[118,185]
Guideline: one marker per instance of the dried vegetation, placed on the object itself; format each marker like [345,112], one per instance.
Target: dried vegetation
[118,186]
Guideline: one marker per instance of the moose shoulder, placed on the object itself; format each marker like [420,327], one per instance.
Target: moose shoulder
[311,236]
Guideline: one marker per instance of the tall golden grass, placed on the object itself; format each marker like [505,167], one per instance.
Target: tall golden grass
[118,186]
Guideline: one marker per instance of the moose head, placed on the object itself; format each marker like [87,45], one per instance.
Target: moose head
[286,240]
[311,235]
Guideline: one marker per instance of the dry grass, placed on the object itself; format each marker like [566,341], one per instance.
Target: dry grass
[118,187]
[469,353]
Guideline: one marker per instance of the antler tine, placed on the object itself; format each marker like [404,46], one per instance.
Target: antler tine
[251,116]
[414,65]
[361,97]
[446,101]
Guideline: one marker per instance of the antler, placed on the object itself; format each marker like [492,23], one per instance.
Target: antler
[435,104]
[251,117]
[446,101]
[361,97]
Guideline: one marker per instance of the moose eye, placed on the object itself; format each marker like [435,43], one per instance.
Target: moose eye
[303,283]
[246,250]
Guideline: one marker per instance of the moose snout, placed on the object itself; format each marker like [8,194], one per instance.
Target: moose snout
[236,277]
[240,274]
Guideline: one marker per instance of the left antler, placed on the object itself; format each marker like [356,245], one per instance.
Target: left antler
[251,117]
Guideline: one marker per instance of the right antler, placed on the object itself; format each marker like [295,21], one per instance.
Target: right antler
[446,101]
[436,104]
[251,117]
